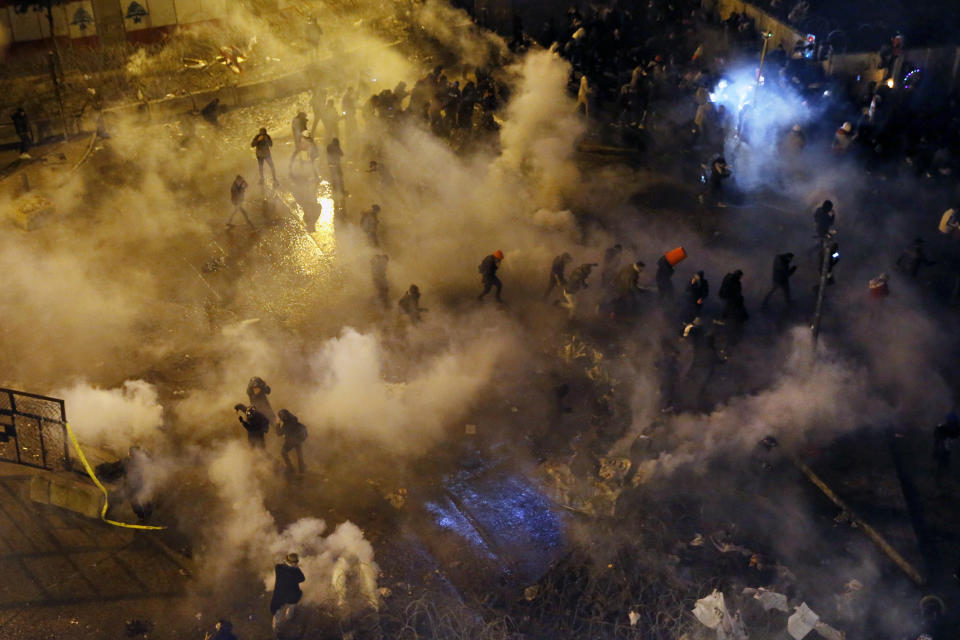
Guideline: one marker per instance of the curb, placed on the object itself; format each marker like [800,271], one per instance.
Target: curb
[72,495]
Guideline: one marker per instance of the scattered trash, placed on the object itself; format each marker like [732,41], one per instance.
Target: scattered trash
[768,599]
[802,622]
[828,632]
[385,592]
[531,592]
[634,618]
[697,541]
[712,612]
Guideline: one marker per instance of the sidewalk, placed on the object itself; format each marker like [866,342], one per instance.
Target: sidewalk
[67,576]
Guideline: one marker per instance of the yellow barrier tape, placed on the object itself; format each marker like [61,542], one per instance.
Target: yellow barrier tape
[106,500]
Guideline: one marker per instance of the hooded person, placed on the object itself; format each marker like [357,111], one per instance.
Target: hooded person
[294,435]
[286,589]
[255,424]
[257,392]
[731,292]
[488,274]
[824,217]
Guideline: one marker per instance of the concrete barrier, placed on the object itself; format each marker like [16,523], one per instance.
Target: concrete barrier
[66,493]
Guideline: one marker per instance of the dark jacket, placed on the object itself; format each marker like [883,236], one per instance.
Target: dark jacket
[697,291]
[731,288]
[557,270]
[21,124]
[782,269]
[578,277]
[664,277]
[255,422]
[237,191]
[823,218]
[292,430]
[488,268]
[287,587]
[262,143]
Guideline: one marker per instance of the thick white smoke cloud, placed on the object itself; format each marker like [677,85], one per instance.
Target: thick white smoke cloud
[119,418]
[353,396]
[762,117]
[247,534]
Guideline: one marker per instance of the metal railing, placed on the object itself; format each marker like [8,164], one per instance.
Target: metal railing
[33,430]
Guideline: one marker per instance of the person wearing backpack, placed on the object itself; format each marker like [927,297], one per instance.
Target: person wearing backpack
[294,435]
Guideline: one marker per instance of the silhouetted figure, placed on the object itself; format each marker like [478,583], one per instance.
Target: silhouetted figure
[488,274]
[558,276]
[262,143]
[294,435]
[410,304]
[238,191]
[782,270]
[286,589]
[21,124]
[255,423]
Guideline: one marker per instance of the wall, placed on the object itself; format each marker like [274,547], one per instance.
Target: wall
[142,19]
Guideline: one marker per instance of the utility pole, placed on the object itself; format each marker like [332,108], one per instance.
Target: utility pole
[52,58]
[821,290]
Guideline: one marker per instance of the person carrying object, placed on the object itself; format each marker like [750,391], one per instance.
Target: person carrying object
[255,424]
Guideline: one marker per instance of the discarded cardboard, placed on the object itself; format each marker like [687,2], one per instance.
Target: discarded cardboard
[802,622]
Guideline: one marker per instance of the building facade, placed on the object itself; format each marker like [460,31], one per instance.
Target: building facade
[107,21]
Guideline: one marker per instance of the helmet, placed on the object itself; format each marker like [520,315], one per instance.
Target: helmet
[498,254]
[847,127]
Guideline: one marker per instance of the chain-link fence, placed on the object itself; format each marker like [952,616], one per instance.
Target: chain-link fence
[33,430]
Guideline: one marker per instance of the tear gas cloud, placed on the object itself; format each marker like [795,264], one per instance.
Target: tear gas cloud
[761,116]
[331,358]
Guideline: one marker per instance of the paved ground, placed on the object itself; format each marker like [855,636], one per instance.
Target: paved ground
[67,576]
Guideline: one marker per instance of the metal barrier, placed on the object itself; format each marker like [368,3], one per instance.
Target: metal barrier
[33,430]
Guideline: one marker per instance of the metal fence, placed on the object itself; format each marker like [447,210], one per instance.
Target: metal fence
[33,430]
